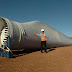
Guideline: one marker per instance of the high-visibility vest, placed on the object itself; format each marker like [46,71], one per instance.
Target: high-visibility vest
[43,37]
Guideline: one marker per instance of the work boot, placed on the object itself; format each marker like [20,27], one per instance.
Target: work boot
[41,51]
[46,51]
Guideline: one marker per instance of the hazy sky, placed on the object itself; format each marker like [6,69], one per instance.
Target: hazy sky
[56,13]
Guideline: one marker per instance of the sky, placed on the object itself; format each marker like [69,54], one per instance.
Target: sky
[56,13]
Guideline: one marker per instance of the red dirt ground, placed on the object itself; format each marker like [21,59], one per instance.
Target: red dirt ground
[58,60]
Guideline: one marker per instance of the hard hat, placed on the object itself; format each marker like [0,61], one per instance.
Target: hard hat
[42,29]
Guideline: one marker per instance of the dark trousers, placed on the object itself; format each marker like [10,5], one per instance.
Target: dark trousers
[43,43]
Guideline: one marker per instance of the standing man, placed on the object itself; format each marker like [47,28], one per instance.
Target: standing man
[43,37]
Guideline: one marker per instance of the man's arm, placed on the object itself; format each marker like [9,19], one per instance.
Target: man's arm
[46,37]
[35,34]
